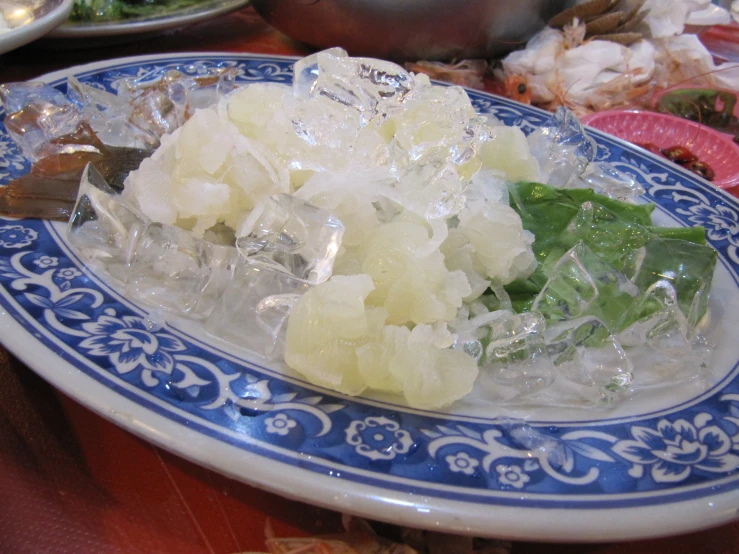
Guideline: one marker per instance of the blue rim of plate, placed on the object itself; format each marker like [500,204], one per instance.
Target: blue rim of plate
[686,452]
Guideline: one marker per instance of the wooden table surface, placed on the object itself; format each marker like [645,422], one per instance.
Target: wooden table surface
[71,482]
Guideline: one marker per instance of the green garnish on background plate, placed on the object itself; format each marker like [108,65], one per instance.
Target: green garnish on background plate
[114,10]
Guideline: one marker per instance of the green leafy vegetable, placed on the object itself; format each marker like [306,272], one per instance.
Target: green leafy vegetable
[617,249]
[114,10]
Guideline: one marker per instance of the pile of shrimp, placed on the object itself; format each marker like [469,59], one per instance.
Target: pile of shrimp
[359,538]
[679,61]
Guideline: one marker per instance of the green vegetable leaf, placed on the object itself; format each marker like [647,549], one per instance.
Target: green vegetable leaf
[607,233]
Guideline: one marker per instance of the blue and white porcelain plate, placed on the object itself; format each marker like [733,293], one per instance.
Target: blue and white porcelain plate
[666,462]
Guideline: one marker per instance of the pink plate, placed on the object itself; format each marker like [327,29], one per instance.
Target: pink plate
[716,149]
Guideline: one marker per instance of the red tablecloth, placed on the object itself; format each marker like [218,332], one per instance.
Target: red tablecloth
[72,482]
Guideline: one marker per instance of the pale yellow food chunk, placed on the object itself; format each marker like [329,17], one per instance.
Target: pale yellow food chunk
[508,151]
[418,363]
[433,117]
[411,285]
[260,111]
[459,254]
[501,243]
[335,340]
[205,172]
[326,327]
[431,374]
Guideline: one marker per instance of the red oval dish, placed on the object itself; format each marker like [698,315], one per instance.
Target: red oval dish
[663,130]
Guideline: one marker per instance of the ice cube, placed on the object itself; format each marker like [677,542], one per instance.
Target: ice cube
[604,178]
[434,119]
[584,351]
[291,235]
[155,113]
[469,334]
[163,99]
[432,187]
[659,340]
[372,87]
[617,241]
[524,435]
[516,362]
[155,320]
[225,262]
[16,96]
[189,86]
[305,71]
[253,310]
[46,125]
[324,136]
[580,284]
[658,366]
[687,266]
[109,116]
[180,272]
[562,147]
[104,230]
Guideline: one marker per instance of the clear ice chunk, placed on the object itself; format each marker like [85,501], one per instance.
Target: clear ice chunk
[253,310]
[288,234]
[162,265]
[328,130]
[161,100]
[432,186]
[156,113]
[437,119]
[584,351]
[660,340]
[155,320]
[516,362]
[524,435]
[469,334]
[46,125]
[689,268]
[372,87]
[305,71]
[617,241]
[104,230]
[16,96]
[109,115]
[225,262]
[604,178]
[180,272]
[562,147]
[580,284]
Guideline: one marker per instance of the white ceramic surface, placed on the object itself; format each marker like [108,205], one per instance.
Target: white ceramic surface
[42,17]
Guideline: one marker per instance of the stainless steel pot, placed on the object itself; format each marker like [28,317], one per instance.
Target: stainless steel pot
[412,29]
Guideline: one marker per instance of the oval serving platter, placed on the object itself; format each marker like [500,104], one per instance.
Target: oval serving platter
[667,462]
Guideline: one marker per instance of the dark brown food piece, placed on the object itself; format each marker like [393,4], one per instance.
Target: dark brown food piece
[603,24]
[605,20]
[44,195]
[701,168]
[581,12]
[679,155]
[624,39]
